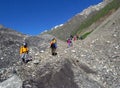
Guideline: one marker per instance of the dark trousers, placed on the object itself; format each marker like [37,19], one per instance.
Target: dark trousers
[53,50]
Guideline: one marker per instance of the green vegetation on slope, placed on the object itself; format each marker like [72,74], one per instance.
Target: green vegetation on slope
[85,35]
[114,5]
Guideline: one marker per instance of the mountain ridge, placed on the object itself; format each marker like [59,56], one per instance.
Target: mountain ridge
[72,26]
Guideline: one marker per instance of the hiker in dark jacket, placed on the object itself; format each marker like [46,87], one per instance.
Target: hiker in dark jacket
[71,37]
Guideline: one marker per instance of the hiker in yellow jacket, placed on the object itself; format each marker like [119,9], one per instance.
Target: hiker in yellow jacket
[24,52]
[53,46]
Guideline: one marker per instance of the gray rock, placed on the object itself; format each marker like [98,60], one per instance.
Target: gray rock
[13,82]
[36,61]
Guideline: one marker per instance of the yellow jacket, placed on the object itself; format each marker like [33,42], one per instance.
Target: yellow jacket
[53,41]
[23,49]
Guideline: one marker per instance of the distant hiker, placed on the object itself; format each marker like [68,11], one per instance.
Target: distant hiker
[69,42]
[71,37]
[75,38]
[81,38]
[24,52]
[53,46]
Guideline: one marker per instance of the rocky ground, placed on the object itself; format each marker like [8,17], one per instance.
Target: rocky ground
[90,63]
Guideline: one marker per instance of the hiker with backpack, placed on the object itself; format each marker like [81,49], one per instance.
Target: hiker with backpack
[75,37]
[53,46]
[69,42]
[71,37]
[24,52]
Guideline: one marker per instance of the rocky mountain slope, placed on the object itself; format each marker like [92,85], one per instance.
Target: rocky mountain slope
[90,63]
[73,24]
[10,42]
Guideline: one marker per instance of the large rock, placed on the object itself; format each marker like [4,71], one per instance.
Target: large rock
[13,82]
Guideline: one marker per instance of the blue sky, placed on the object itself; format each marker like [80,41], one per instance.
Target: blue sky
[34,16]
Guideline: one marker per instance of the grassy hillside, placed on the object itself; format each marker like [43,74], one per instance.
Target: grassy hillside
[84,26]
[111,7]
[64,31]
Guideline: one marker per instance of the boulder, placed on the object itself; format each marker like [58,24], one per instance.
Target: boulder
[13,82]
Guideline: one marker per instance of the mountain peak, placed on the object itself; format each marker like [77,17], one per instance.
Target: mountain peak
[93,8]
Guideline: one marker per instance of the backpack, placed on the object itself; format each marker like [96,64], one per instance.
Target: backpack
[53,45]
